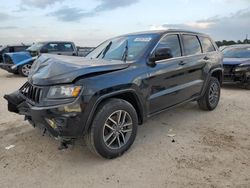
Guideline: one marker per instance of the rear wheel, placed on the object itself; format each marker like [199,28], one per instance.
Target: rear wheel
[113,130]
[24,70]
[210,99]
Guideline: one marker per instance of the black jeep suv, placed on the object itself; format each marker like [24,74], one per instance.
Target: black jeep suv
[120,84]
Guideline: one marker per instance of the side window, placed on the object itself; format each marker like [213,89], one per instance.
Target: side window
[172,42]
[52,47]
[6,50]
[11,49]
[19,48]
[206,44]
[66,47]
[191,45]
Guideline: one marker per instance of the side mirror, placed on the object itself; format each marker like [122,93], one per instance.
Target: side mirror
[44,50]
[161,53]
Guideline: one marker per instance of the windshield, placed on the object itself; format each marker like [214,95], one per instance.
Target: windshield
[1,48]
[126,48]
[237,52]
[35,47]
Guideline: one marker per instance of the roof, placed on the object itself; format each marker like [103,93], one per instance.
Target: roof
[165,31]
[54,41]
[238,46]
[18,44]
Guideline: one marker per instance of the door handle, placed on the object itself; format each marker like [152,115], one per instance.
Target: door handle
[206,58]
[182,63]
[59,54]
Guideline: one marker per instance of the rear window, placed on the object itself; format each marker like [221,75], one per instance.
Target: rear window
[191,45]
[206,44]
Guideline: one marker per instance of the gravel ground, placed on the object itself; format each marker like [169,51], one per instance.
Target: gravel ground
[211,149]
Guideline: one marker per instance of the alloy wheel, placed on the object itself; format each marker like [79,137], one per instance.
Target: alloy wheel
[213,94]
[117,129]
[26,69]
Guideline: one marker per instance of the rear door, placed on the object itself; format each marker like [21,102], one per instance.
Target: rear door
[194,65]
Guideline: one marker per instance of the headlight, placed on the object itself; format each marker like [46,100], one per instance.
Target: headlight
[66,91]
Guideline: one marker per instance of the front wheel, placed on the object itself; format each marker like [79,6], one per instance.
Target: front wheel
[114,128]
[24,70]
[210,99]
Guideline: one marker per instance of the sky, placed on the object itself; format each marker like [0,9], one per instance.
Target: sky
[89,22]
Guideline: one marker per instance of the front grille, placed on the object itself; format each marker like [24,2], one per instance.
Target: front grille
[31,92]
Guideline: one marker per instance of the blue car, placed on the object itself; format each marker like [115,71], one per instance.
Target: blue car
[236,64]
[21,62]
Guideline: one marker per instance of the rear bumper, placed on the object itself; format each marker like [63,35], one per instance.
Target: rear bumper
[63,122]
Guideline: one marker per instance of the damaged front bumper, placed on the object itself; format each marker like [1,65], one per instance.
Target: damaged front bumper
[64,122]
[237,74]
[8,67]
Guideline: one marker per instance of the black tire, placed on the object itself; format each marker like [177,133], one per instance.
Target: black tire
[99,131]
[23,70]
[210,99]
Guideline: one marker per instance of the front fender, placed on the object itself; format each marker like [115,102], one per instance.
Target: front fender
[26,61]
[97,101]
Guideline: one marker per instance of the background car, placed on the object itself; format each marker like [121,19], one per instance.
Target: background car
[11,49]
[236,64]
[21,62]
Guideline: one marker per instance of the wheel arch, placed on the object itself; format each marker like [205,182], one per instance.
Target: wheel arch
[218,73]
[128,95]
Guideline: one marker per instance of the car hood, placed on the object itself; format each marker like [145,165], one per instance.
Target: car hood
[58,69]
[236,61]
[17,57]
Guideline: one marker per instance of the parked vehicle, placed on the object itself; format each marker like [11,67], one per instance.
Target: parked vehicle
[84,51]
[120,84]
[21,62]
[11,49]
[236,64]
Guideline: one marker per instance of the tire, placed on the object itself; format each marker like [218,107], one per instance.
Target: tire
[107,139]
[23,70]
[210,99]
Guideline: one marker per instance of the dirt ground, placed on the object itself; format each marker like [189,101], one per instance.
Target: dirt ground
[211,149]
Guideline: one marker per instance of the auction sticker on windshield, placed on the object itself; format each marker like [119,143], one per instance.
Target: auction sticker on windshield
[142,39]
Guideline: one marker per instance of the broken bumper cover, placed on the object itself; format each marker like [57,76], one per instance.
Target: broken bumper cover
[8,67]
[238,74]
[61,121]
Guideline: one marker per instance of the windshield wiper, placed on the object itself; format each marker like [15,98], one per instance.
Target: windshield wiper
[125,54]
[105,50]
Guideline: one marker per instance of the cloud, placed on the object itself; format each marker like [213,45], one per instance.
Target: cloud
[113,4]
[7,27]
[234,26]
[5,17]
[39,3]
[69,14]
